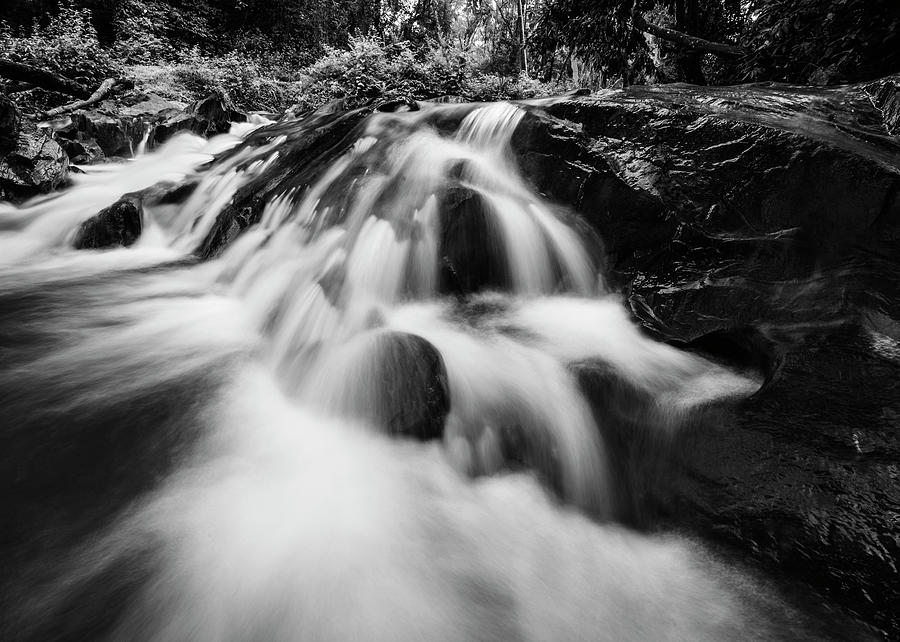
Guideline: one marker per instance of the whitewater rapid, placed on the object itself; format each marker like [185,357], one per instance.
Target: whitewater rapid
[204,450]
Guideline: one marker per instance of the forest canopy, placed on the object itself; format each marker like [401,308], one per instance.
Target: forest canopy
[474,48]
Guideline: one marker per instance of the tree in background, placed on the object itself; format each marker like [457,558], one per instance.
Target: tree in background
[640,41]
[589,42]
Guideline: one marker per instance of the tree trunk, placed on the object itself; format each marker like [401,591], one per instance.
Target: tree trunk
[523,52]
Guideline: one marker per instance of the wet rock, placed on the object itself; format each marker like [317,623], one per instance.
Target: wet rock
[402,389]
[885,94]
[207,117]
[168,193]
[112,134]
[82,152]
[413,387]
[803,476]
[756,225]
[633,436]
[119,225]
[313,141]
[473,257]
[562,164]
[36,165]
[110,130]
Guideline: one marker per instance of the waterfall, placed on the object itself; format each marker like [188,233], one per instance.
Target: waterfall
[361,420]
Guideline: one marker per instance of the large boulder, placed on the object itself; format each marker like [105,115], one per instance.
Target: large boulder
[36,165]
[757,225]
[207,117]
[113,134]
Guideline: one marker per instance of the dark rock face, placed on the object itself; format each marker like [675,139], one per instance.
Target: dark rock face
[117,225]
[758,225]
[111,129]
[885,95]
[82,152]
[207,117]
[120,224]
[413,388]
[313,141]
[110,133]
[804,474]
[36,165]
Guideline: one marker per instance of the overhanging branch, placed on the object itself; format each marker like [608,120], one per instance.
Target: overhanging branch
[106,87]
[685,40]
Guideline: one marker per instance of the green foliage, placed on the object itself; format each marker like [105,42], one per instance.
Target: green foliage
[140,34]
[370,67]
[67,44]
[197,75]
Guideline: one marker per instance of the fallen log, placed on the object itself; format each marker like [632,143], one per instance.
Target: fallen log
[107,87]
[42,78]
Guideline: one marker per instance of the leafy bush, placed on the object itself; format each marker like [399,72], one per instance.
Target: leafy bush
[67,44]
[196,75]
[370,67]
[141,36]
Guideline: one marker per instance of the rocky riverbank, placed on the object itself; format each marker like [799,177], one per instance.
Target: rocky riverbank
[37,156]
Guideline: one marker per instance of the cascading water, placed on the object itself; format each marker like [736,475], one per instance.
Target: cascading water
[221,449]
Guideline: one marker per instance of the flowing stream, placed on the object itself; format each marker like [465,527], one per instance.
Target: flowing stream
[327,431]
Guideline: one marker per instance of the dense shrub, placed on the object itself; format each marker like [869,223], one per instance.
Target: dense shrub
[370,67]
[196,75]
[140,34]
[253,76]
[67,44]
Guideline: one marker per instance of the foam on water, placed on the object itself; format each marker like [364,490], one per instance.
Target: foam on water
[262,505]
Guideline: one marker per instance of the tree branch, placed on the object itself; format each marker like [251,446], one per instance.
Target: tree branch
[42,78]
[683,39]
[105,88]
